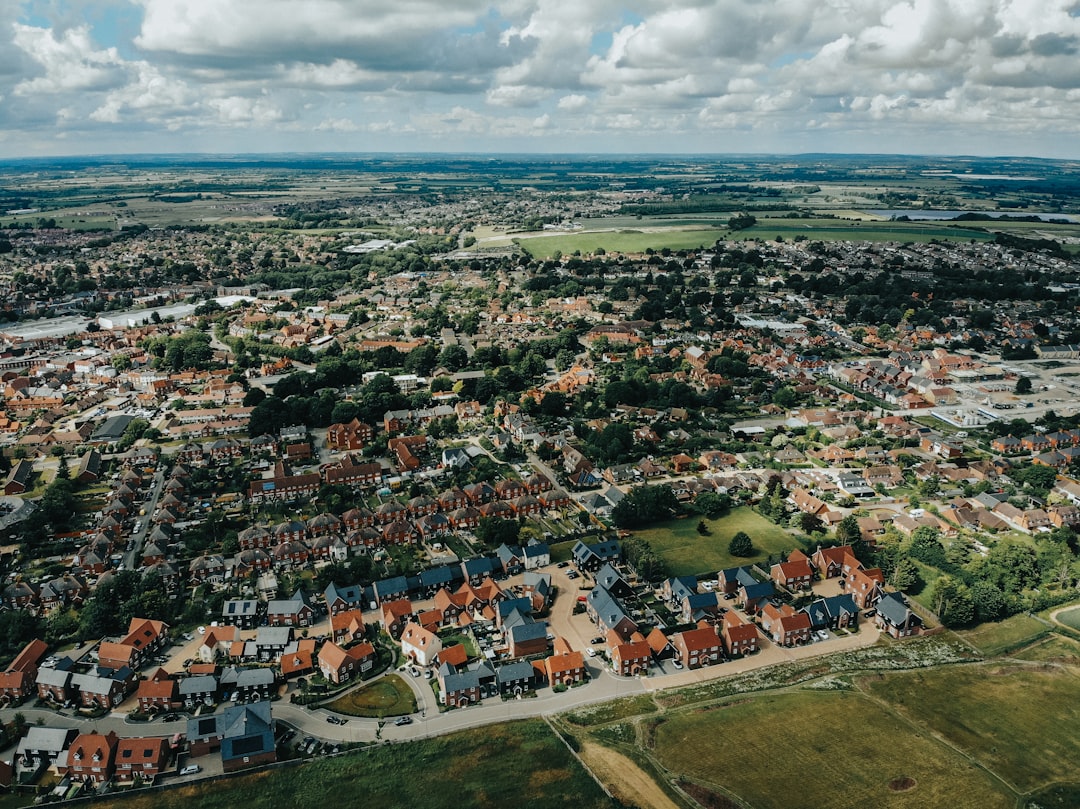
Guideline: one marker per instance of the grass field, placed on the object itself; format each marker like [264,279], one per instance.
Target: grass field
[1002,636]
[617,241]
[688,553]
[1071,618]
[1019,722]
[820,750]
[1055,649]
[387,696]
[522,764]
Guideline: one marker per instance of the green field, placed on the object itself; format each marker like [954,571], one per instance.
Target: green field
[688,553]
[820,750]
[1002,636]
[1071,618]
[621,241]
[1055,649]
[1019,722]
[387,696]
[521,765]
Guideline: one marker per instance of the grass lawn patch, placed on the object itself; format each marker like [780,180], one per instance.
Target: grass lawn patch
[520,764]
[688,553]
[1071,618]
[464,640]
[838,749]
[1000,637]
[1019,722]
[387,696]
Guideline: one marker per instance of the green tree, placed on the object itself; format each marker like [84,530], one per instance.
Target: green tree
[1023,386]
[952,602]
[741,545]
[847,530]
[496,531]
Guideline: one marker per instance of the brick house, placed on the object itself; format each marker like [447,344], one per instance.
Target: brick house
[91,757]
[142,758]
[740,637]
[698,647]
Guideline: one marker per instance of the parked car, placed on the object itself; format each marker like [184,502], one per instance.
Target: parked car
[676,663]
[190,769]
[562,565]
[403,720]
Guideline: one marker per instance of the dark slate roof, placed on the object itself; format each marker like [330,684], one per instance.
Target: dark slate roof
[527,632]
[682,586]
[892,609]
[351,594]
[607,607]
[481,566]
[762,589]
[507,606]
[395,585]
[513,672]
[740,574]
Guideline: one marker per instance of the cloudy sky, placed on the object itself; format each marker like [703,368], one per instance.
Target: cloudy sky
[661,76]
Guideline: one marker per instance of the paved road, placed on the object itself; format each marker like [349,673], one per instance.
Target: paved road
[604,687]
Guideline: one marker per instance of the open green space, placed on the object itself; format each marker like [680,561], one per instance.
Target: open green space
[520,764]
[1017,721]
[810,749]
[387,696]
[688,553]
[1071,618]
[998,637]
[620,241]
[1055,649]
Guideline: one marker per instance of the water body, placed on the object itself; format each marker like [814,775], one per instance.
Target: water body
[919,213]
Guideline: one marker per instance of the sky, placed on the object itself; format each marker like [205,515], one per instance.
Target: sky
[983,77]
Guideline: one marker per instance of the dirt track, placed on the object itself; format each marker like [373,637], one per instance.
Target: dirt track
[626,780]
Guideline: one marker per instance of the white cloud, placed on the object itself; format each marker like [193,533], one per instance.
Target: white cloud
[607,73]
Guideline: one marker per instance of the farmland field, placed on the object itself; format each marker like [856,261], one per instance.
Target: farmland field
[820,750]
[688,553]
[1019,722]
[520,764]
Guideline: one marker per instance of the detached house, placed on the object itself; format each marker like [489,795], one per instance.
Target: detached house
[339,665]
[420,645]
[895,618]
[141,758]
[784,625]
[91,757]
[565,666]
[698,647]
[740,637]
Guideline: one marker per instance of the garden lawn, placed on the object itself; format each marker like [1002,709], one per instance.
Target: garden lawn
[387,696]
[1055,649]
[521,765]
[688,553]
[815,750]
[1019,722]
[1000,637]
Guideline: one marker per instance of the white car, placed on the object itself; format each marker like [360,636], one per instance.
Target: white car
[591,652]
[190,769]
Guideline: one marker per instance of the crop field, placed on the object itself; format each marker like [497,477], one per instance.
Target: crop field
[1017,721]
[814,750]
[688,553]
[521,764]
[387,696]
[999,637]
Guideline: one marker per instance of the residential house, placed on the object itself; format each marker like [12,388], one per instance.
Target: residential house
[339,665]
[794,574]
[609,613]
[91,757]
[629,659]
[835,612]
[419,644]
[865,586]
[895,618]
[565,666]
[19,679]
[591,558]
[698,647]
[141,758]
[784,625]
[740,637]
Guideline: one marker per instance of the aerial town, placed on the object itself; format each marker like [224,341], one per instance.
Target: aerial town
[253,471]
